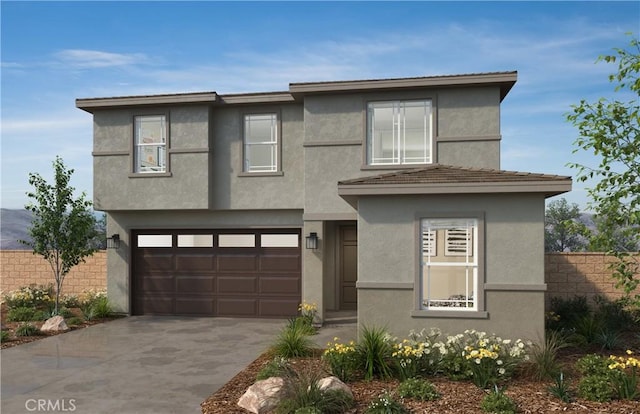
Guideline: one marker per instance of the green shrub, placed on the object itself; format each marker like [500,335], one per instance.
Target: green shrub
[498,402]
[27,329]
[560,389]
[303,324]
[544,358]
[4,336]
[609,338]
[567,312]
[293,341]
[593,364]
[65,312]
[374,353]
[596,387]
[302,392]
[342,359]
[277,367]
[587,329]
[385,404]
[21,314]
[96,308]
[418,389]
[74,321]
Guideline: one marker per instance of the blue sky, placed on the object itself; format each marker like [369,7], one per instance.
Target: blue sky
[55,52]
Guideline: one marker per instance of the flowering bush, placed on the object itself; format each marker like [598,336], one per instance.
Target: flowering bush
[308,312]
[385,404]
[485,359]
[421,353]
[626,381]
[32,296]
[342,359]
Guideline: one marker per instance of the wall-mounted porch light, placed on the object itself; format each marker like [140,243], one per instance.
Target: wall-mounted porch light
[312,241]
[113,242]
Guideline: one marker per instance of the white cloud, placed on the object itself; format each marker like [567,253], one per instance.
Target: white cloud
[87,59]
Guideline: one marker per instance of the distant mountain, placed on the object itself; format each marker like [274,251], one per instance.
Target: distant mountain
[14,225]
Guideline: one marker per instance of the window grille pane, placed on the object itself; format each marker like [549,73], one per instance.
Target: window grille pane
[195,240]
[260,142]
[279,240]
[237,240]
[150,143]
[155,240]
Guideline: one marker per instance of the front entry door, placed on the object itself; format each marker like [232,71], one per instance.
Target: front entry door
[348,267]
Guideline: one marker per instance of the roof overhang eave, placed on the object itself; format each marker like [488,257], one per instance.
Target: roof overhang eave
[549,189]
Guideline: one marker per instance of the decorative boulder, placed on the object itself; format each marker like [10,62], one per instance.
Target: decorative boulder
[334,383]
[54,324]
[262,396]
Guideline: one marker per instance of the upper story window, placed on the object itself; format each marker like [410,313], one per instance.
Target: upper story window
[150,144]
[399,132]
[261,143]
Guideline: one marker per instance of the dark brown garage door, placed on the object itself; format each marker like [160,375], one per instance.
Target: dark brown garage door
[237,273]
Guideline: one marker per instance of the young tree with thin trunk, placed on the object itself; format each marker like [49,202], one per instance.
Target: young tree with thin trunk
[610,129]
[62,226]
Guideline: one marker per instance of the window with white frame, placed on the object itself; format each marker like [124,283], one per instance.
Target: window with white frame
[150,144]
[449,271]
[399,132]
[261,143]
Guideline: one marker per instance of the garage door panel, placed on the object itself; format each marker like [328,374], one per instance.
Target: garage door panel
[195,262]
[237,306]
[191,305]
[237,284]
[278,307]
[280,285]
[152,262]
[195,284]
[272,263]
[194,273]
[160,283]
[238,263]
[157,305]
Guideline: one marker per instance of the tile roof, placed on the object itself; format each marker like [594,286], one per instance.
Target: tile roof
[447,174]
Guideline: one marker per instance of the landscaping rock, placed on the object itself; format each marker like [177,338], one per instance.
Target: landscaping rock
[334,383]
[262,396]
[54,324]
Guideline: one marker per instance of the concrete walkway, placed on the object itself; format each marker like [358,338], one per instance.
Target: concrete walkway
[139,364]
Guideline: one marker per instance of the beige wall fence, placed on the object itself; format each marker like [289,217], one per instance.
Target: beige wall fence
[566,274]
[20,268]
[580,274]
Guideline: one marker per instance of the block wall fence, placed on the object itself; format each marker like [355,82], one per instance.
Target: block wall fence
[20,268]
[566,274]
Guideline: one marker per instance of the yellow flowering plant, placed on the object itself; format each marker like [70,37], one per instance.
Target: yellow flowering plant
[32,296]
[626,381]
[342,359]
[308,312]
[420,354]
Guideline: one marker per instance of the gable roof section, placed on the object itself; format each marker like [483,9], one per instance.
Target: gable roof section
[447,179]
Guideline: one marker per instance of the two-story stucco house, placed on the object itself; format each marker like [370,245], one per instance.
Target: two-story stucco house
[384,196]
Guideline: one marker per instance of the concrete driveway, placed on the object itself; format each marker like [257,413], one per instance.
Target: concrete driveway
[139,364]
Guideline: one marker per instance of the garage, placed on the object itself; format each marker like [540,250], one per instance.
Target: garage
[228,273]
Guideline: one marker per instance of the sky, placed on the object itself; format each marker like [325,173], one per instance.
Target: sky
[55,52]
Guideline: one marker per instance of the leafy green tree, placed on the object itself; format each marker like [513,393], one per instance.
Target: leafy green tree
[610,129]
[62,226]
[563,229]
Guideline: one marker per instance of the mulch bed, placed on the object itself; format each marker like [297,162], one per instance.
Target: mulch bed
[457,397]
[19,340]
